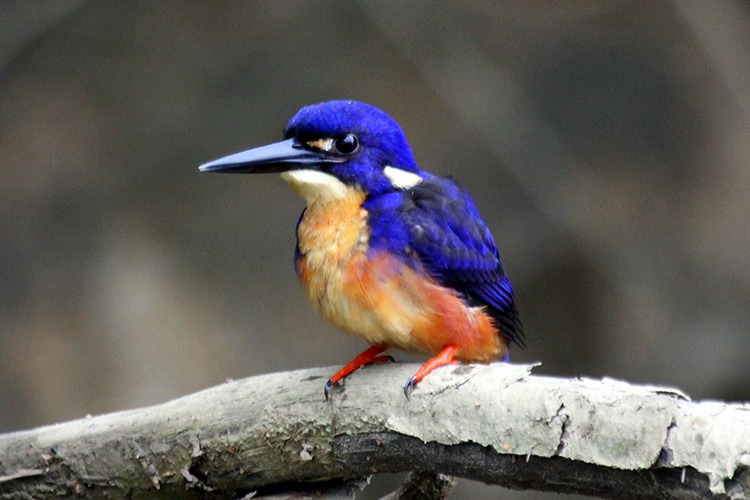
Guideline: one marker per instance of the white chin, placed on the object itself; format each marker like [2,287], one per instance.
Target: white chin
[313,185]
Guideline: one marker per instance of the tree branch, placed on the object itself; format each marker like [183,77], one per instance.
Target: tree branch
[495,423]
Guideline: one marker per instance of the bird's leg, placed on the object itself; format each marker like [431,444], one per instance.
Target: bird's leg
[367,357]
[444,358]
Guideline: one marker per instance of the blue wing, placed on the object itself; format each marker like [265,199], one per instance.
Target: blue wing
[439,223]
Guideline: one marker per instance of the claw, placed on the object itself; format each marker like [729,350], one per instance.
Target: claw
[367,357]
[327,390]
[409,386]
[444,358]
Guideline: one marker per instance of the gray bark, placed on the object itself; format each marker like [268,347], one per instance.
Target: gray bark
[498,424]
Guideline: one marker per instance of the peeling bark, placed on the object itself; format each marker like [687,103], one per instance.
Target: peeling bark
[275,434]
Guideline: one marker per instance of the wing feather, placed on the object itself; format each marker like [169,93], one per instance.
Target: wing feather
[450,238]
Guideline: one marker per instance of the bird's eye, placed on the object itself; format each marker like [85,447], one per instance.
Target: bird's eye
[346,145]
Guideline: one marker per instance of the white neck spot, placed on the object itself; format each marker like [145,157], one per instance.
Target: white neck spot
[401,179]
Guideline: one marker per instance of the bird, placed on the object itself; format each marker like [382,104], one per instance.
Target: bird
[385,251]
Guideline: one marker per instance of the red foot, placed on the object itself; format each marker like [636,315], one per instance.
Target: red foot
[367,357]
[444,358]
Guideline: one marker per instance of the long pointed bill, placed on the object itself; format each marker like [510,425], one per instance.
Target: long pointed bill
[273,158]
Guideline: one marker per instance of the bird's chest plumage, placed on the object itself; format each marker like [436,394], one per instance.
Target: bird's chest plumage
[348,283]
[330,235]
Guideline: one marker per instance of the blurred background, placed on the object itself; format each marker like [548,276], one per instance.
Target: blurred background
[605,144]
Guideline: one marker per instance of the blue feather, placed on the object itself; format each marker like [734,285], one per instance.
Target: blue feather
[435,227]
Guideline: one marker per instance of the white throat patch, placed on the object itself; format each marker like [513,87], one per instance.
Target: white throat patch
[401,179]
[313,185]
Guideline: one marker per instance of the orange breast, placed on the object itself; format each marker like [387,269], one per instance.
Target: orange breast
[375,296]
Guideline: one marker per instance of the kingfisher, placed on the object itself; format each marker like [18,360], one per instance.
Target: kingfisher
[385,251]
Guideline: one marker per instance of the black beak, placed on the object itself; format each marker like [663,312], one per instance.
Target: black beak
[273,158]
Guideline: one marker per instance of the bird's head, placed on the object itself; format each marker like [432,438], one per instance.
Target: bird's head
[330,148]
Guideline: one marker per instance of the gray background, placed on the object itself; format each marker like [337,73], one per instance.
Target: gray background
[605,144]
